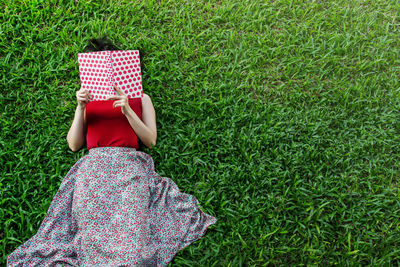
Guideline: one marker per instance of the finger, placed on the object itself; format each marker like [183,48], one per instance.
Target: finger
[117,103]
[83,92]
[83,100]
[118,90]
[89,95]
[120,105]
[113,97]
[83,96]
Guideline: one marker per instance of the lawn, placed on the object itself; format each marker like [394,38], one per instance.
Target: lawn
[281,117]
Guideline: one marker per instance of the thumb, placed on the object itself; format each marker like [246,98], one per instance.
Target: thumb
[118,90]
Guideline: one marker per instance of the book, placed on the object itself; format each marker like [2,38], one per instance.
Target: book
[100,70]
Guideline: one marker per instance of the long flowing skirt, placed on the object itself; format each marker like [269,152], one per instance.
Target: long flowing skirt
[113,209]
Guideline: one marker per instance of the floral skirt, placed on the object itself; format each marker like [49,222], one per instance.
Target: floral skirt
[113,209]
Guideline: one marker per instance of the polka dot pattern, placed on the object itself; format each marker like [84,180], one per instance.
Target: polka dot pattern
[113,209]
[100,70]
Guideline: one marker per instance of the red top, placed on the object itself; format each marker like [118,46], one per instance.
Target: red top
[108,126]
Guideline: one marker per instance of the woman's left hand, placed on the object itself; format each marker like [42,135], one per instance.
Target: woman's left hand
[122,100]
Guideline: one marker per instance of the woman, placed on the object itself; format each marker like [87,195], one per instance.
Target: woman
[112,208]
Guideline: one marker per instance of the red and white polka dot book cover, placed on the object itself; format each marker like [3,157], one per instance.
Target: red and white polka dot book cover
[100,70]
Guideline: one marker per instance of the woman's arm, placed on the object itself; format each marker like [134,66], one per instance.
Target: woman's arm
[144,128]
[77,131]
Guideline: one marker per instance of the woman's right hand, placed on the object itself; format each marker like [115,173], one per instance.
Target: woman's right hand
[76,133]
[83,97]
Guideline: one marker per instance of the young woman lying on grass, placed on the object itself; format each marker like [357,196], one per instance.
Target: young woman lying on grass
[145,128]
[112,208]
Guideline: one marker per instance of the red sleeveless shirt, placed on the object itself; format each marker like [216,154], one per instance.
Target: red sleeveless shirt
[108,126]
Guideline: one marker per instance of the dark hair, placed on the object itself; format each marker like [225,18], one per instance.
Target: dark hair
[103,43]
[100,44]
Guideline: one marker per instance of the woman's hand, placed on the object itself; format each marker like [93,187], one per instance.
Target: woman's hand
[77,131]
[83,97]
[122,101]
[145,129]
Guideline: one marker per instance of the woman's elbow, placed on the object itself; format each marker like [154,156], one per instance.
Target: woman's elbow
[151,144]
[73,147]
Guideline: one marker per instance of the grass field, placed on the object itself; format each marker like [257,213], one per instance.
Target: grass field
[281,117]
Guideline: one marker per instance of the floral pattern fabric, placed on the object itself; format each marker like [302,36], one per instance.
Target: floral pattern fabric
[113,209]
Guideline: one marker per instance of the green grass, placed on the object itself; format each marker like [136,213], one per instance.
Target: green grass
[281,117]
